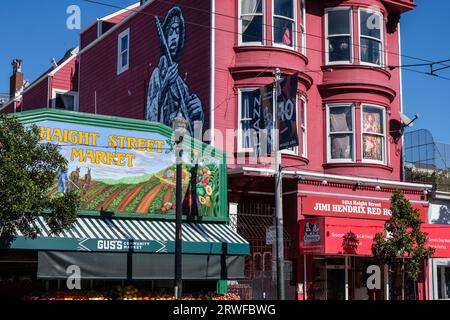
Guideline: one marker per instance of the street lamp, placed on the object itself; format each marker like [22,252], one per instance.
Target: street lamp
[179,125]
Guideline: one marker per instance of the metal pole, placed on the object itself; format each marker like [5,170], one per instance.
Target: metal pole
[178,226]
[278,196]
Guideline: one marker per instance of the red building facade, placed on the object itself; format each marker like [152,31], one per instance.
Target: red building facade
[349,159]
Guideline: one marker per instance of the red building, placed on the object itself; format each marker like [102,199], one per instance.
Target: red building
[349,160]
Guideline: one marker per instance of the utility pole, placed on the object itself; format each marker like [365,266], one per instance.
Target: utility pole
[278,194]
[179,127]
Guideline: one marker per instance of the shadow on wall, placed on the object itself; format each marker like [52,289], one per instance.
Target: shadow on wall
[444,215]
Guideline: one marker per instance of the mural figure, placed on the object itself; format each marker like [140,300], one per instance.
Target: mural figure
[62,180]
[73,181]
[87,180]
[168,93]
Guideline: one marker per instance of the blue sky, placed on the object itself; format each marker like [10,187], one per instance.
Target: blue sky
[36,31]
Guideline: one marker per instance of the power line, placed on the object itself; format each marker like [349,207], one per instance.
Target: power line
[265,25]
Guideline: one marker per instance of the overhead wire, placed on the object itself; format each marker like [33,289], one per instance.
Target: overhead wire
[428,62]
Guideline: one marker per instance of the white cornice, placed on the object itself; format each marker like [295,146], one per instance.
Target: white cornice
[332,177]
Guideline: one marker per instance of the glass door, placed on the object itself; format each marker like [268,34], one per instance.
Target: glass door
[443,282]
[335,282]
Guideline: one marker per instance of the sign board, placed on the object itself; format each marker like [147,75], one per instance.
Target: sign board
[328,235]
[125,166]
[271,234]
[351,207]
[312,236]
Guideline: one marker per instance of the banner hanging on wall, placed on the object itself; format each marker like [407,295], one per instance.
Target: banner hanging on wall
[287,112]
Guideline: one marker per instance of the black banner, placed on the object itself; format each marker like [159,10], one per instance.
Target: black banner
[287,112]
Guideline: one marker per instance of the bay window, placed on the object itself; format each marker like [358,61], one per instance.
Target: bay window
[284,22]
[373,134]
[341,129]
[338,29]
[370,37]
[251,22]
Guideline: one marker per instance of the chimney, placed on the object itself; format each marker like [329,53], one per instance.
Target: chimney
[16,80]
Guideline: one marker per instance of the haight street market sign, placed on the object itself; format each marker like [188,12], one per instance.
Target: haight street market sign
[351,208]
[128,166]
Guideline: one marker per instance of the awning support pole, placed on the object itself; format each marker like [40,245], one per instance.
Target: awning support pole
[346,276]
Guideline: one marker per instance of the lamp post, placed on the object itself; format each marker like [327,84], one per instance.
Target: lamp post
[278,194]
[179,125]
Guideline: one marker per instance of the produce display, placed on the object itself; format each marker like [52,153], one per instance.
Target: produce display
[126,293]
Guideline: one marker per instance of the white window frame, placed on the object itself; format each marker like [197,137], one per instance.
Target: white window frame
[120,68]
[327,42]
[301,129]
[294,29]
[381,40]
[304,127]
[383,109]
[240,147]
[263,14]
[65,92]
[303,26]
[329,159]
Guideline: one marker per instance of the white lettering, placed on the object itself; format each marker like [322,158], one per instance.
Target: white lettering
[74,278]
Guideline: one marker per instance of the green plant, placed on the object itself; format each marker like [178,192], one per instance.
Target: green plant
[403,243]
[27,174]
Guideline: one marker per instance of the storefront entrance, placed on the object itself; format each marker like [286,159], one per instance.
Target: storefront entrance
[345,278]
[440,279]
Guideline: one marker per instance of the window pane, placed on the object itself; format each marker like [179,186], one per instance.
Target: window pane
[124,58]
[283,31]
[339,22]
[64,101]
[124,44]
[252,29]
[370,51]
[339,49]
[284,8]
[341,146]
[373,147]
[341,119]
[251,6]
[370,24]
[373,120]
[249,120]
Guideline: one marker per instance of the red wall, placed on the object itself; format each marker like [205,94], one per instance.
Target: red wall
[126,94]
[36,97]
[253,67]
[66,78]
[88,36]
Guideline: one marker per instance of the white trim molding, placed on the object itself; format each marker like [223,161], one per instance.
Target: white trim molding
[332,177]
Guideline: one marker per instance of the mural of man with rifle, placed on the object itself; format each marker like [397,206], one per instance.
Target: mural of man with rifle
[167,92]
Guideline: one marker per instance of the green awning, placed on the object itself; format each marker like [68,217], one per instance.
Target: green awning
[100,234]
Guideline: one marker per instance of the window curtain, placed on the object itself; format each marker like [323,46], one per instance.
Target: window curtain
[249,7]
[341,128]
